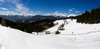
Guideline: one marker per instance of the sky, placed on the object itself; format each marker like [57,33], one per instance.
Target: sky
[47,7]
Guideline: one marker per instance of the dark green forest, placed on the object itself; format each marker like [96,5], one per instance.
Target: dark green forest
[37,26]
[89,17]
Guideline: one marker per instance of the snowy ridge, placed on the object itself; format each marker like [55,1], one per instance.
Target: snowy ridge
[77,28]
[15,39]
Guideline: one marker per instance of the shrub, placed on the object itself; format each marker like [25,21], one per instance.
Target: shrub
[57,32]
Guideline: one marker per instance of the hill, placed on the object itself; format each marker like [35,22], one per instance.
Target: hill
[37,26]
[16,39]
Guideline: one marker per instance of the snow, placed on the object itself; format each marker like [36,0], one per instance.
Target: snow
[76,28]
[85,36]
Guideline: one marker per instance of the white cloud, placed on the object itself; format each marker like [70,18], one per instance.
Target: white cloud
[72,15]
[10,1]
[38,11]
[17,6]
[27,2]
[13,1]
[11,6]
[56,13]
[48,14]
[77,11]
[70,10]
[1,0]
[59,13]
[73,8]
[8,12]
[21,8]
[31,13]
[3,8]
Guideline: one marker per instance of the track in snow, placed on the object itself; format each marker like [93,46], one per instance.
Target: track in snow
[83,33]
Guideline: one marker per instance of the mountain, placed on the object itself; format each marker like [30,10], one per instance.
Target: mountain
[40,17]
[85,36]
[14,18]
[37,26]
[29,18]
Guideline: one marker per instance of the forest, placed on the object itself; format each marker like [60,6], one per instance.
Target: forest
[37,26]
[89,17]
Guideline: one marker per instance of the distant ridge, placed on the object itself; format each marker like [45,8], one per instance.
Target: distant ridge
[41,17]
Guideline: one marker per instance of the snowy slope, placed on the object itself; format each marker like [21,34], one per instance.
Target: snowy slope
[15,39]
[76,28]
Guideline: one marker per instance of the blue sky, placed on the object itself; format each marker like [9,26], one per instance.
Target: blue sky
[47,7]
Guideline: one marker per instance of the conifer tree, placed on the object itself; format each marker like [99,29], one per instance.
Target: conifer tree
[3,22]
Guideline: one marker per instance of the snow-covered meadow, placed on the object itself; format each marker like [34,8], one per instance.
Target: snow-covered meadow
[75,36]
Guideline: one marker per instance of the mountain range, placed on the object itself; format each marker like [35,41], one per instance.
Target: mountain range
[29,19]
[14,18]
[40,17]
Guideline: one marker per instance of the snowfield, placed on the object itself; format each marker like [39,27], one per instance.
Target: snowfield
[75,36]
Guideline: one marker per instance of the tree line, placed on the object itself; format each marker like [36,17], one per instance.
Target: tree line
[89,17]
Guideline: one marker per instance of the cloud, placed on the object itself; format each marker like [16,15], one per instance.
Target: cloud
[17,6]
[11,6]
[77,11]
[27,2]
[70,10]
[73,8]
[56,13]
[16,13]
[21,8]
[38,11]
[31,13]
[3,8]
[59,13]
[72,15]
[10,1]
[13,1]
[1,0]
[48,14]
[8,12]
